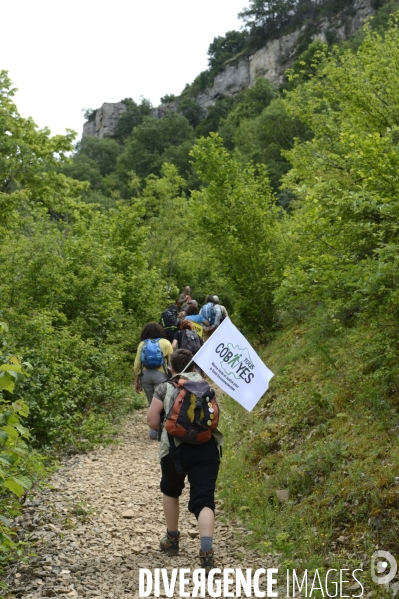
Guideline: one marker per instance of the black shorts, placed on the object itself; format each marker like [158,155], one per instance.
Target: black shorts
[201,464]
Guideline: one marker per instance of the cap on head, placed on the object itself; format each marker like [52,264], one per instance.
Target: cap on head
[216,299]
[193,302]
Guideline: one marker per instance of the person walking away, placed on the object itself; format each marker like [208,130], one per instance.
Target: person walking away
[220,311]
[183,313]
[208,312]
[187,338]
[169,321]
[181,305]
[198,321]
[152,362]
[179,458]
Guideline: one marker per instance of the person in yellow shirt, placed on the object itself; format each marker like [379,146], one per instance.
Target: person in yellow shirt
[149,374]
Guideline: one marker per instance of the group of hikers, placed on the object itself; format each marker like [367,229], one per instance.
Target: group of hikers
[183,414]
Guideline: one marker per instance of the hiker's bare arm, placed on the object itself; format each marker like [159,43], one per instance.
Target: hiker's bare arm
[137,384]
[174,344]
[205,322]
[154,413]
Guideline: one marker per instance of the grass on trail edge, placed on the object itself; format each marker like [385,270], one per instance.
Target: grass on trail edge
[325,434]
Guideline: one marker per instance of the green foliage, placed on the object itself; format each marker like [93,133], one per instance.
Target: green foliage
[103,151]
[262,139]
[75,286]
[237,210]
[346,178]
[28,158]
[265,17]
[200,83]
[133,116]
[305,66]
[89,114]
[168,99]
[214,116]
[154,142]
[20,468]
[268,19]
[248,105]
[191,110]
[224,48]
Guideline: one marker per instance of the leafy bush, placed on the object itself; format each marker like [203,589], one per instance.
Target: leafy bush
[238,212]
[20,467]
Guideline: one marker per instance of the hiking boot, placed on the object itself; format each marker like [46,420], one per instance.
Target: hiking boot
[170,544]
[207,560]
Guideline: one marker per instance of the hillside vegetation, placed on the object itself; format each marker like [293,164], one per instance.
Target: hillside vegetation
[289,213]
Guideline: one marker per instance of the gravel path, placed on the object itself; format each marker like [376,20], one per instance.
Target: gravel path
[102,521]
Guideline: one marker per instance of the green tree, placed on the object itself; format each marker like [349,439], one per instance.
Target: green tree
[29,159]
[151,144]
[133,116]
[189,108]
[224,48]
[261,140]
[237,210]
[215,114]
[346,178]
[249,104]
[263,18]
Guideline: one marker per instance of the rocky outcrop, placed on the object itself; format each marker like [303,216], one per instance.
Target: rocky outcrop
[271,62]
[106,120]
[276,56]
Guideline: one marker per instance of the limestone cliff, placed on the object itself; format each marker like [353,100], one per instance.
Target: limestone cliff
[105,121]
[270,61]
[275,57]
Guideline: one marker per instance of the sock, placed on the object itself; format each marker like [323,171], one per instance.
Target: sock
[173,533]
[206,544]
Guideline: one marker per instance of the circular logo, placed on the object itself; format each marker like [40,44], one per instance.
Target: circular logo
[379,567]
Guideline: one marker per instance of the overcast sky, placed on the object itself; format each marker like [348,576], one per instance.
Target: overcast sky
[66,56]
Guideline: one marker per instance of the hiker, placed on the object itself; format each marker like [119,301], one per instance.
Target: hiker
[208,312]
[181,305]
[187,338]
[187,292]
[178,459]
[169,321]
[152,362]
[199,322]
[185,307]
[220,311]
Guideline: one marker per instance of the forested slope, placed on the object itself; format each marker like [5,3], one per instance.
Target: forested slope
[289,212]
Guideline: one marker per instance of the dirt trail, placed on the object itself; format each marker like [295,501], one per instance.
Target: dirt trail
[85,544]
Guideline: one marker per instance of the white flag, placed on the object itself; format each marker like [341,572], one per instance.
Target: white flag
[230,361]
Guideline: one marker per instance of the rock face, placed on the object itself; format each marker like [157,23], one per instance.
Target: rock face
[270,62]
[276,56]
[105,121]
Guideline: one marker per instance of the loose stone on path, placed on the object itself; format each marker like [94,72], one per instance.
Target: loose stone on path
[102,521]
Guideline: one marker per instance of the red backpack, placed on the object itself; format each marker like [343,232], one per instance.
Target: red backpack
[193,413]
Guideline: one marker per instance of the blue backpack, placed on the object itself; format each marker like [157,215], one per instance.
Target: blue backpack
[151,354]
[208,312]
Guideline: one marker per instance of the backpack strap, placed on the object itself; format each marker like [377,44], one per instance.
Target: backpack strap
[174,451]
[142,349]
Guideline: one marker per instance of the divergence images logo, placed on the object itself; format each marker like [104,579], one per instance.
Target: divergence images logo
[236,362]
[379,567]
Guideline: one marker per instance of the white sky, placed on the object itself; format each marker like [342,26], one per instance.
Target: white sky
[66,56]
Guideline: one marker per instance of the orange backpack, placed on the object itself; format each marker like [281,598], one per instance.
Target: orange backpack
[194,413]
